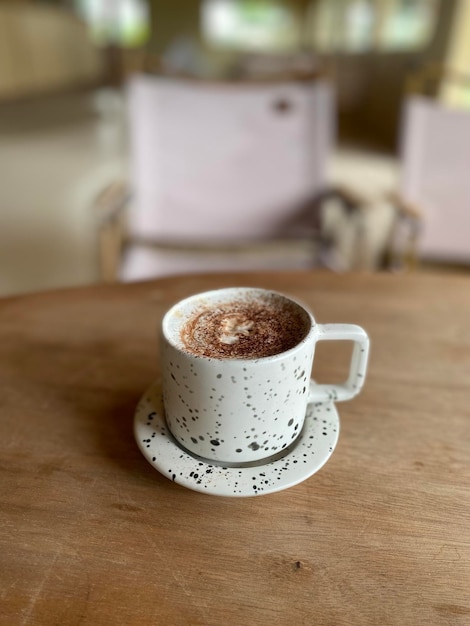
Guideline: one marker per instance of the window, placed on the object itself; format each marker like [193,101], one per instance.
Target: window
[250,25]
[409,24]
[123,22]
[363,25]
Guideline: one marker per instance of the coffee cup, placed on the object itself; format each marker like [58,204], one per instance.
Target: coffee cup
[236,372]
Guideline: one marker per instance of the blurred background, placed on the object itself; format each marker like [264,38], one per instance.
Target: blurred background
[121,119]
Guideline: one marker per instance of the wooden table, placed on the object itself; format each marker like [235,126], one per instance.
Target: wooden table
[91,534]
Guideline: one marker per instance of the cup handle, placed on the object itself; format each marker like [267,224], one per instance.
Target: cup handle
[358,367]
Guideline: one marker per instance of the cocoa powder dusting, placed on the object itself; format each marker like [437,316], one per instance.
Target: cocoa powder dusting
[245,329]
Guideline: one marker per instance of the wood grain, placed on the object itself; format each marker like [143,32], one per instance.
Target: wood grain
[90,534]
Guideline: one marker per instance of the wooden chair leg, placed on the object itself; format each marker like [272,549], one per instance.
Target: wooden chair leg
[110,207]
[111,238]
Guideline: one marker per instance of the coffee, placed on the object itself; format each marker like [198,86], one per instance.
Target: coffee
[245,328]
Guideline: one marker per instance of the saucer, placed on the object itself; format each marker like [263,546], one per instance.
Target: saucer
[309,452]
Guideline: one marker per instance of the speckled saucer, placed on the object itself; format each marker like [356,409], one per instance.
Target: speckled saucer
[310,451]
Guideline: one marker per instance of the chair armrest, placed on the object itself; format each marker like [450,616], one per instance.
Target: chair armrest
[112,201]
[405,208]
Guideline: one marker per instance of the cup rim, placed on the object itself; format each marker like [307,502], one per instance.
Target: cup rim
[274,357]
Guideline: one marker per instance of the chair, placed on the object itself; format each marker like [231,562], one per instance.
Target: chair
[435,178]
[223,176]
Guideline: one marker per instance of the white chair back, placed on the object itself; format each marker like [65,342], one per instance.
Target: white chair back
[436,177]
[224,162]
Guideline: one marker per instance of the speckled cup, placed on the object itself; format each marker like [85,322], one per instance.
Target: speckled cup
[238,411]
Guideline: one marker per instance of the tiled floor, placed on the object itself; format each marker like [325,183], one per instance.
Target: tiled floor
[55,156]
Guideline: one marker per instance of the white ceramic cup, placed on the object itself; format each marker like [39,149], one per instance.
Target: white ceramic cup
[237,411]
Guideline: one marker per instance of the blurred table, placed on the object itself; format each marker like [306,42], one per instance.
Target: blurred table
[91,534]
